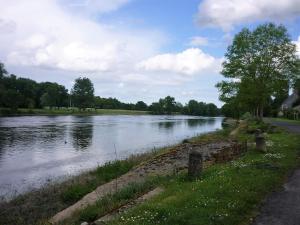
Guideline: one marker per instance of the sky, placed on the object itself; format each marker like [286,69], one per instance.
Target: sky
[133,49]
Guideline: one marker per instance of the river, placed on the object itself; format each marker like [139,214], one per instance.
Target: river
[37,149]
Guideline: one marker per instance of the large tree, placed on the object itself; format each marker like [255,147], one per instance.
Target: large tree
[258,65]
[83,93]
[53,94]
[140,105]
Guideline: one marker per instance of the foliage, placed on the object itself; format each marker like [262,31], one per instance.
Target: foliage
[2,70]
[83,93]
[53,94]
[165,105]
[113,103]
[246,116]
[169,105]
[140,105]
[26,93]
[259,66]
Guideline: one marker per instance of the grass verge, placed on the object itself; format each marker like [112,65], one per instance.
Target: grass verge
[71,111]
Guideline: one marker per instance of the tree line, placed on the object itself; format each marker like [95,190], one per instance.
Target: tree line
[17,92]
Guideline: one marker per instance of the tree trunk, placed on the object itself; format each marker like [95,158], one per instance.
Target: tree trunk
[260,112]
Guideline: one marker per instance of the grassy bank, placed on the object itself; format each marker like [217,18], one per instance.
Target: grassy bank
[226,194]
[70,111]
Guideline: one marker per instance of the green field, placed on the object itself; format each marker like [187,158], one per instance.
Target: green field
[72,111]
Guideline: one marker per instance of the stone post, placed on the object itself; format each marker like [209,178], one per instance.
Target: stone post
[260,141]
[195,164]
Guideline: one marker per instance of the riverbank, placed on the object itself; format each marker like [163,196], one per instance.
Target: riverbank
[70,111]
[226,193]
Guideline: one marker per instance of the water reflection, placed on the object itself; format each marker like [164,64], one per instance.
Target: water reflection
[2,144]
[82,133]
[167,125]
[211,121]
[195,122]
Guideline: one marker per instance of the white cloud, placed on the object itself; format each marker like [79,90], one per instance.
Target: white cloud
[198,41]
[189,62]
[46,35]
[227,13]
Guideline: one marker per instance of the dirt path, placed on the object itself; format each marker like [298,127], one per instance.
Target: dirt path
[283,207]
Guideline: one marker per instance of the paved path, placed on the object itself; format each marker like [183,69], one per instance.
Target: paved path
[283,207]
[295,128]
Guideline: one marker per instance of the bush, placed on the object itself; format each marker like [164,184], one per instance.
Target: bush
[246,116]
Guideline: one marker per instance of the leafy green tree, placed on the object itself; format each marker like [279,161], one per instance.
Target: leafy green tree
[83,93]
[3,71]
[165,105]
[52,95]
[157,108]
[212,109]
[140,105]
[297,85]
[178,107]
[47,100]
[12,99]
[193,108]
[258,64]
[169,104]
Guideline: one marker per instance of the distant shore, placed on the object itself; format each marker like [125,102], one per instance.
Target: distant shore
[69,111]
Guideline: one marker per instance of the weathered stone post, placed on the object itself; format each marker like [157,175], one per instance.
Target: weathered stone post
[260,141]
[195,164]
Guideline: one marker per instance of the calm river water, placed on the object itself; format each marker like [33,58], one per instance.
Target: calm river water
[36,149]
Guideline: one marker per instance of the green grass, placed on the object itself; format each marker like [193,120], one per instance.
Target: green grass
[99,176]
[72,111]
[111,202]
[226,194]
